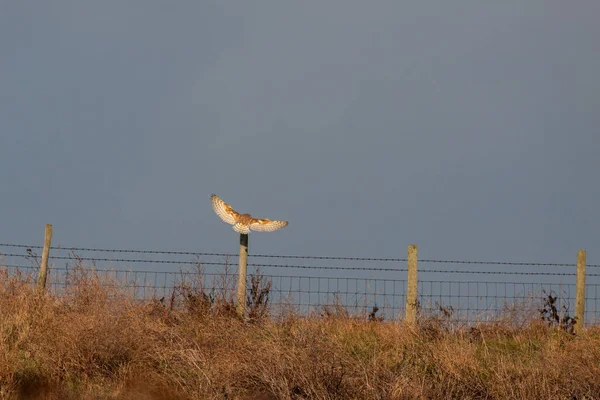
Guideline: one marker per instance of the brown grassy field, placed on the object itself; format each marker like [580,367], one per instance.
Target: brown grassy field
[98,342]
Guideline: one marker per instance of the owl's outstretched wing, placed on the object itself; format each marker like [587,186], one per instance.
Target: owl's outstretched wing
[224,210]
[266,225]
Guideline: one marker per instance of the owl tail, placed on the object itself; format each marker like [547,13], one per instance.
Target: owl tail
[241,228]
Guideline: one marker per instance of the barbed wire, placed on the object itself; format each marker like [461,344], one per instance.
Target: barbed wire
[135,260]
[20,245]
[304,267]
[128,271]
[118,271]
[18,266]
[90,249]
[502,272]
[330,258]
[122,260]
[327,267]
[520,264]
[219,263]
[17,255]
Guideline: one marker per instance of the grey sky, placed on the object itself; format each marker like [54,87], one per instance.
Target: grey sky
[471,128]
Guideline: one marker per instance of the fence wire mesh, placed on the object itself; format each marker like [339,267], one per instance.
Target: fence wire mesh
[466,291]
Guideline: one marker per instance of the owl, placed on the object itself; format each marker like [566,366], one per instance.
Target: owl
[243,223]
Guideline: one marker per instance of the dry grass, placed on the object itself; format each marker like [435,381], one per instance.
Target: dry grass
[97,342]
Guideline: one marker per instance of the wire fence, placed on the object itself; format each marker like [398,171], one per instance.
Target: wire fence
[460,290]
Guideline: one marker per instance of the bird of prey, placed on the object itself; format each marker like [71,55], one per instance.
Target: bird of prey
[243,223]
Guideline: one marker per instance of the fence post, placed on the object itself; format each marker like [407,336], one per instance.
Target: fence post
[580,296]
[243,263]
[411,285]
[41,283]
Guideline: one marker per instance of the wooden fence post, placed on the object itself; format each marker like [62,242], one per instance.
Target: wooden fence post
[41,283]
[411,285]
[243,263]
[580,296]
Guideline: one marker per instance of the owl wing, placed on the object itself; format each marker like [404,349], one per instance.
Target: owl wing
[224,210]
[266,225]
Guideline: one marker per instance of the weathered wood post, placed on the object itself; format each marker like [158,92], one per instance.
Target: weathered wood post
[580,296]
[41,282]
[243,264]
[411,285]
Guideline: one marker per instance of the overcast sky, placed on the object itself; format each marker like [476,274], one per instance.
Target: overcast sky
[471,128]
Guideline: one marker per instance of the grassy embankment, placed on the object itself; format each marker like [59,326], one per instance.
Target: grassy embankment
[97,342]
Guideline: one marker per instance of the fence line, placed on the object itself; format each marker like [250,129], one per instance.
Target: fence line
[308,257]
[465,294]
[121,260]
